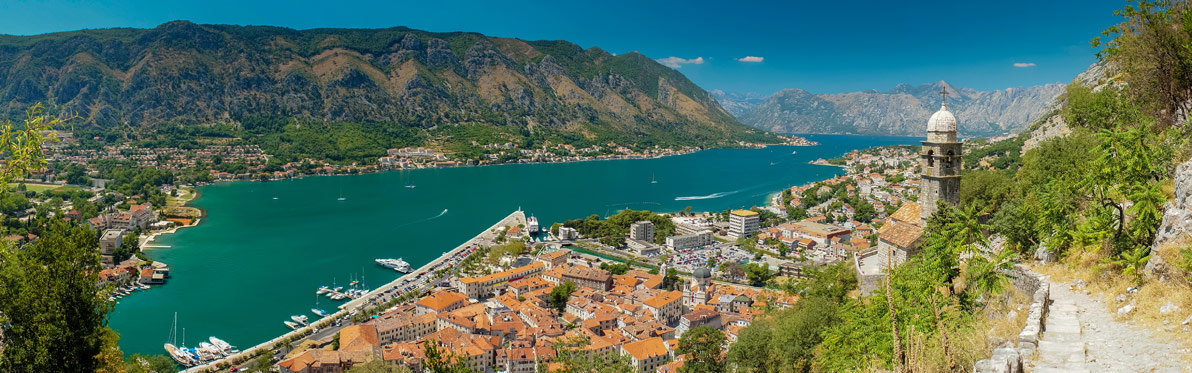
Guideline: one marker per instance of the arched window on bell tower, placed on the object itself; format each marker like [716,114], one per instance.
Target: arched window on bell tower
[951,157]
[930,158]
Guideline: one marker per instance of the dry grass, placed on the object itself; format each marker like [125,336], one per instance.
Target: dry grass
[1105,282]
[992,326]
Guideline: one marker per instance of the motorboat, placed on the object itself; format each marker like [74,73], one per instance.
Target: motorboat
[291,324]
[394,264]
[301,319]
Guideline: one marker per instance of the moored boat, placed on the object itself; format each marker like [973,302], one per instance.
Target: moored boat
[220,343]
[291,324]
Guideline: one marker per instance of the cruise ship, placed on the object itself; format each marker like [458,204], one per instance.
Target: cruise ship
[532,224]
[395,264]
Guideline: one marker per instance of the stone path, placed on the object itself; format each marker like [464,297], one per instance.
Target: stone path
[1081,335]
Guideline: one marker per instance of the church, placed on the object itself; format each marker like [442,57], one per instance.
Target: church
[939,166]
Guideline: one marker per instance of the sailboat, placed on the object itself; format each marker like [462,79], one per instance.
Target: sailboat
[176,353]
[653,180]
[341,194]
[411,182]
[318,311]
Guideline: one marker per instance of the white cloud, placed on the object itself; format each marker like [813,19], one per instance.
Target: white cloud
[677,62]
[751,59]
[1024,64]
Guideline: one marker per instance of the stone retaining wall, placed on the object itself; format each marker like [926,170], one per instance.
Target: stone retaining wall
[1008,358]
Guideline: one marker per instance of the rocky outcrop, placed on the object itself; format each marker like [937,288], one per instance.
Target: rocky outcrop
[1176,227]
[903,110]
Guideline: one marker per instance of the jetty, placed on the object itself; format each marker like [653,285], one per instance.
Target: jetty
[358,304]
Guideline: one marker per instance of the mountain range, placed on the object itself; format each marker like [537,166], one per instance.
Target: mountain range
[190,74]
[903,110]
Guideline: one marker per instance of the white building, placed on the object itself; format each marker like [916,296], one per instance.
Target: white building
[689,241]
[566,233]
[642,230]
[742,223]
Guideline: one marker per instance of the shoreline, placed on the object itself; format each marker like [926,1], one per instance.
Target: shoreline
[383,170]
[357,304]
[202,214]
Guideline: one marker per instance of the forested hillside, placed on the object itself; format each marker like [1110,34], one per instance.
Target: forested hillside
[383,81]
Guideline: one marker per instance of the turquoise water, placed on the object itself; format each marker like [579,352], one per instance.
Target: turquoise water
[265,247]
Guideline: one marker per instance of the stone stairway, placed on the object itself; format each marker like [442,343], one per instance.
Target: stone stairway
[1061,348]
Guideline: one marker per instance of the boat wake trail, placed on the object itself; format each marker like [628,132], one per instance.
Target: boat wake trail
[710,196]
[439,215]
[425,220]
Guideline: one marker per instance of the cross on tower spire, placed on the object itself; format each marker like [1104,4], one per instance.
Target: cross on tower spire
[944,96]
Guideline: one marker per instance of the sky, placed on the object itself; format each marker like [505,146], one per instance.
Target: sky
[735,46]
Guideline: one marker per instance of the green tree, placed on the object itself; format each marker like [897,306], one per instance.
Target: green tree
[150,364]
[702,346]
[758,274]
[560,295]
[438,360]
[54,303]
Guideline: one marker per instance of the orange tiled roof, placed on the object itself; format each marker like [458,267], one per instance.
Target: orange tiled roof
[900,234]
[663,299]
[358,338]
[515,271]
[441,299]
[646,348]
[908,213]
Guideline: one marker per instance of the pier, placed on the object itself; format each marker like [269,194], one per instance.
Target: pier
[356,305]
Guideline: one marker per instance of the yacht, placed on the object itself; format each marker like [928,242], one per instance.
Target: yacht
[395,264]
[323,289]
[319,312]
[301,319]
[291,324]
[532,224]
[220,343]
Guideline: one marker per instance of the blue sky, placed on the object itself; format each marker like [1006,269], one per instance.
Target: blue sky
[823,46]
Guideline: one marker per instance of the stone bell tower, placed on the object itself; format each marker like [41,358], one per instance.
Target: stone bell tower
[940,161]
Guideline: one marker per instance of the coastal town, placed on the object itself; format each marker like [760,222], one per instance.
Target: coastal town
[712,269]
[522,297]
[238,159]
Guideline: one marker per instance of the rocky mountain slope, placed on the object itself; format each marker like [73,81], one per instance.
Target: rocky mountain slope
[903,110]
[185,73]
[737,103]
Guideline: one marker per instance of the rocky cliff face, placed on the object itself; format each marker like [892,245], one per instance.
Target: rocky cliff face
[903,110]
[737,103]
[181,72]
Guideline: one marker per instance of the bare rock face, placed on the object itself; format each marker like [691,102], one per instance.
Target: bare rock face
[1054,127]
[1176,227]
[903,110]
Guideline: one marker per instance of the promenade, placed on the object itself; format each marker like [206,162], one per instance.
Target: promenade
[375,297]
